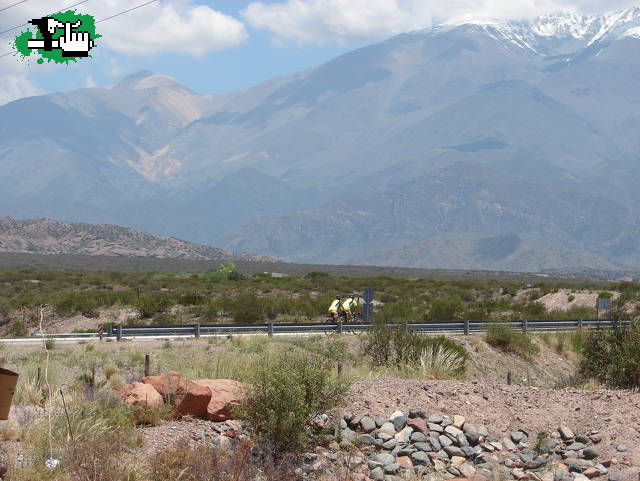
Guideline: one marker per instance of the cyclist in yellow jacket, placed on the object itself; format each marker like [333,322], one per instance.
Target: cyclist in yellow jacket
[336,308]
[350,307]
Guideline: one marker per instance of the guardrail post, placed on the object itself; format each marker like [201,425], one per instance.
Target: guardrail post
[119,333]
[270,329]
[580,324]
[110,330]
[524,326]
[196,330]
[466,328]
[147,364]
[339,327]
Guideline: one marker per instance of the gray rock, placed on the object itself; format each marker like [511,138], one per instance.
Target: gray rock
[582,439]
[366,439]
[516,436]
[614,476]
[389,445]
[343,424]
[406,451]
[461,440]
[508,444]
[524,457]
[622,448]
[392,468]
[575,468]
[417,413]
[418,437]
[380,420]
[483,431]
[434,439]
[384,436]
[445,441]
[488,474]
[590,453]
[420,458]
[575,447]
[348,435]
[399,422]
[435,428]
[367,424]
[383,458]
[435,418]
[473,438]
[391,477]
[388,428]
[453,451]
[446,422]
[378,443]
[404,435]
[468,451]
[455,432]
[377,474]
[565,433]
[487,447]
[426,447]
[602,469]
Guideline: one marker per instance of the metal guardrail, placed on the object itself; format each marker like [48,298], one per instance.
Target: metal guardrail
[271,329]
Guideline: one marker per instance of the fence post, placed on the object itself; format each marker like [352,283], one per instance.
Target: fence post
[119,332]
[509,378]
[339,327]
[147,364]
[524,326]
[196,329]
[340,369]
[466,328]
[270,329]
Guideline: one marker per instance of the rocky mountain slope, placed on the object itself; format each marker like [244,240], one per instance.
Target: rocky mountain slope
[45,236]
[475,130]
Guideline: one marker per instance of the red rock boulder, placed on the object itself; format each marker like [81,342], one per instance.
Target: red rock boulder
[225,395]
[188,397]
[195,401]
[140,394]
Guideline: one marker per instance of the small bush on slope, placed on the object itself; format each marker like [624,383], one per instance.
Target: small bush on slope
[502,337]
[287,390]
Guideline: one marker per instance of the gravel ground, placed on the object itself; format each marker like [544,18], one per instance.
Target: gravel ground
[503,407]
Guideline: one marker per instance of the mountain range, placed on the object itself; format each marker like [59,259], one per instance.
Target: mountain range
[46,236]
[473,144]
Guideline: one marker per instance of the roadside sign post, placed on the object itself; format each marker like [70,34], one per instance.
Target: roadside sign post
[367,308]
[602,304]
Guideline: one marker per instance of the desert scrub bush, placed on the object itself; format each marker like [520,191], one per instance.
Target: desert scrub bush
[209,463]
[90,422]
[612,355]
[286,391]
[444,310]
[401,346]
[502,337]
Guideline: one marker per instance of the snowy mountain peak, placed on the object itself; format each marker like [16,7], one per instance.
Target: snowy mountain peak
[553,34]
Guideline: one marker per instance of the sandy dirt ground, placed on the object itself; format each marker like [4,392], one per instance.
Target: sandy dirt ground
[502,407]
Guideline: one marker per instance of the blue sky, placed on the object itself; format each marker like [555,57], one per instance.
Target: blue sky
[220,46]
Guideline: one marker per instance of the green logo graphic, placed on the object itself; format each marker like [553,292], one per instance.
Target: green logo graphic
[60,38]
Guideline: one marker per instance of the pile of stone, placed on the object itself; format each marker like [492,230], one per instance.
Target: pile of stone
[211,399]
[437,446]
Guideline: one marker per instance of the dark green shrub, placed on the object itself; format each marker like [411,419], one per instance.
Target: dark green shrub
[612,356]
[502,337]
[286,391]
[317,274]
[444,310]
[148,306]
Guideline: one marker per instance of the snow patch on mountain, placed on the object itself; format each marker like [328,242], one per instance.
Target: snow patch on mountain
[551,34]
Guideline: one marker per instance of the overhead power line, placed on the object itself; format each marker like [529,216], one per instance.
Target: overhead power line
[52,13]
[98,21]
[14,5]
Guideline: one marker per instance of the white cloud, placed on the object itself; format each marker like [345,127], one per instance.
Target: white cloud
[89,82]
[13,87]
[178,26]
[343,21]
